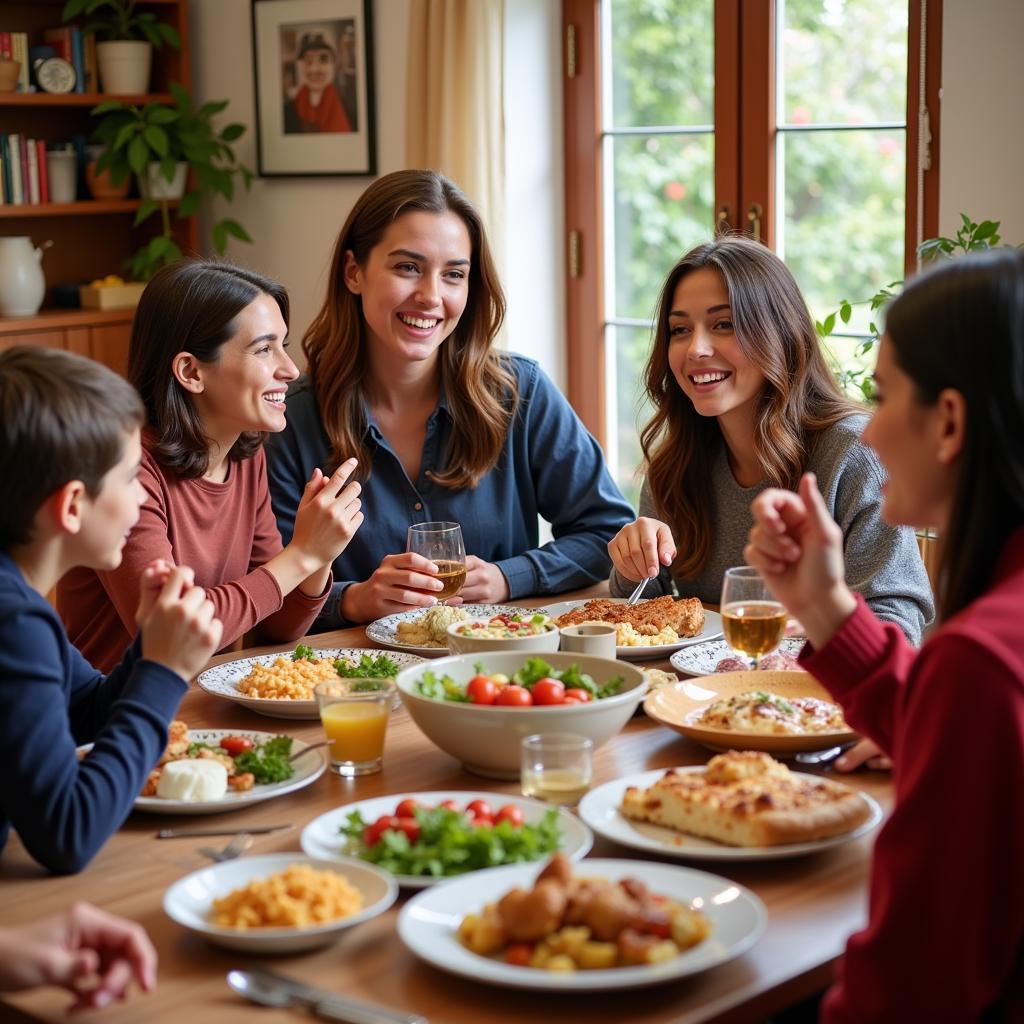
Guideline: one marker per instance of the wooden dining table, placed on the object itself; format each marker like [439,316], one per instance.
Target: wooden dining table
[814,902]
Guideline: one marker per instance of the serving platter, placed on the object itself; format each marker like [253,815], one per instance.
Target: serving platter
[701,659]
[384,631]
[222,681]
[600,810]
[428,925]
[321,838]
[678,706]
[712,629]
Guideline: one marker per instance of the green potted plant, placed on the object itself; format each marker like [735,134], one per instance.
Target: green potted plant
[160,143]
[125,40]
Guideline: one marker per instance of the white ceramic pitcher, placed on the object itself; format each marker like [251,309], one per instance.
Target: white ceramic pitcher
[22,285]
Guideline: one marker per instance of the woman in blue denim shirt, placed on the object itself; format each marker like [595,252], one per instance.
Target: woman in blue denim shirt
[403,375]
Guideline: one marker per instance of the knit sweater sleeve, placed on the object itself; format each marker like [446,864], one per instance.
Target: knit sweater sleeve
[50,698]
[618,585]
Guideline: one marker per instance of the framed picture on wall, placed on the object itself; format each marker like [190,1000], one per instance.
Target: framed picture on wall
[313,61]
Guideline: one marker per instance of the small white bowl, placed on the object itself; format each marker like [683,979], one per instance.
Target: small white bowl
[486,738]
[189,901]
[459,644]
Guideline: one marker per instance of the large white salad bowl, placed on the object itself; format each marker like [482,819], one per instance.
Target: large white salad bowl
[486,738]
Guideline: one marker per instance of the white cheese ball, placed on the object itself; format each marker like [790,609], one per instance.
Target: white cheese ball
[192,780]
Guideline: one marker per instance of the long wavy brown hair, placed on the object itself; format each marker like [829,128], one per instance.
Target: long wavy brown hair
[480,389]
[800,397]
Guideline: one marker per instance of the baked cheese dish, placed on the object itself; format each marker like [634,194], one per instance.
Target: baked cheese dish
[747,798]
[768,713]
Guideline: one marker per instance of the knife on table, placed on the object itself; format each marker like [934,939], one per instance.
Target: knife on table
[271,989]
[186,833]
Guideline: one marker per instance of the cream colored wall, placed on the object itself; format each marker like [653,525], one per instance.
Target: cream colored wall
[293,221]
[982,128]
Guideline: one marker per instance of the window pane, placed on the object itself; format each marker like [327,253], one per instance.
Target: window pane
[661,62]
[843,61]
[662,191]
[628,348]
[842,231]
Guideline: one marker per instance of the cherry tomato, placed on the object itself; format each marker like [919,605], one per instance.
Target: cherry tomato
[548,691]
[449,805]
[481,690]
[583,696]
[519,953]
[482,820]
[372,833]
[514,696]
[510,813]
[572,700]
[480,809]
[410,826]
[407,808]
[235,745]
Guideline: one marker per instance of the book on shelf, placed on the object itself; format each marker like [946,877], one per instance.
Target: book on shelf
[44,174]
[5,45]
[32,171]
[26,186]
[3,165]
[78,58]
[19,52]
[14,158]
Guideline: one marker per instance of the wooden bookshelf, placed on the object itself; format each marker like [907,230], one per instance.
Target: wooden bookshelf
[91,238]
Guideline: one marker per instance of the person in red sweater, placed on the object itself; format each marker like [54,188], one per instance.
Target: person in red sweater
[208,356]
[945,935]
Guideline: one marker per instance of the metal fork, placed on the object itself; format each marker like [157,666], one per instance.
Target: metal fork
[235,848]
[635,596]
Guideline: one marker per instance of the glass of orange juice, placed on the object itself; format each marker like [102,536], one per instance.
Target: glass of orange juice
[354,713]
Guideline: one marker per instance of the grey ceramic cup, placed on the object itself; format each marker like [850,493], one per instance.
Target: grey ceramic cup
[594,638]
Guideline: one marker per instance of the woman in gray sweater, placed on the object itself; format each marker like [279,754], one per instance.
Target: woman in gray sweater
[744,400]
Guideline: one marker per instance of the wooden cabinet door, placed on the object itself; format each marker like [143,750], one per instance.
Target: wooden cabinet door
[109,345]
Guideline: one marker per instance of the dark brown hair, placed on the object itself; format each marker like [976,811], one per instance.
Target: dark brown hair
[189,306]
[479,387]
[800,397]
[961,326]
[64,418]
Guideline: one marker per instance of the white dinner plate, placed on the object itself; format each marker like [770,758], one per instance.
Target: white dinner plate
[702,659]
[321,838]
[385,631]
[429,922]
[600,810]
[189,901]
[223,680]
[712,629]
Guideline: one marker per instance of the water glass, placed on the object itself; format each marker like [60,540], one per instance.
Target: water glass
[556,767]
[354,714]
[753,622]
[442,543]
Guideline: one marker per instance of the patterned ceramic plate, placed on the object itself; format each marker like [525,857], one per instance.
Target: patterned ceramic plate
[712,628]
[223,680]
[385,631]
[701,659]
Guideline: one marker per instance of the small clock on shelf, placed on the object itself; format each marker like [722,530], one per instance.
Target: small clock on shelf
[55,74]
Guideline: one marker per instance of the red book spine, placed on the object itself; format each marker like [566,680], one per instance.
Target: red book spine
[44,179]
[5,45]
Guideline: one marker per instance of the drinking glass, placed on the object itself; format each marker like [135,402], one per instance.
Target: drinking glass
[556,767]
[754,623]
[442,544]
[354,714]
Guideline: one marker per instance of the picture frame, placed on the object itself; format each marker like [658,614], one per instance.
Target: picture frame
[313,69]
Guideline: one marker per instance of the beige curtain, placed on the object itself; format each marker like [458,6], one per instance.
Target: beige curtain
[455,101]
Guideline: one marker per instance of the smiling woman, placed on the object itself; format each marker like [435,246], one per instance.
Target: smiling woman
[208,356]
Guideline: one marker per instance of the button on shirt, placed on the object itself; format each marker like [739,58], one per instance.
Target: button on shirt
[549,466]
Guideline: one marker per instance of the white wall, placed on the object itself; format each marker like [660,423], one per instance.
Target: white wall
[982,162]
[293,221]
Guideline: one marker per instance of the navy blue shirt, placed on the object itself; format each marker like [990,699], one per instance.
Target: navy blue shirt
[52,699]
[549,466]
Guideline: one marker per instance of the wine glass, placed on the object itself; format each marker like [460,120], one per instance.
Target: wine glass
[754,623]
[442,544]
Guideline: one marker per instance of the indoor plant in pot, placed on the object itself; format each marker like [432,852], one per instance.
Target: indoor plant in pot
[161,143]
[125,40]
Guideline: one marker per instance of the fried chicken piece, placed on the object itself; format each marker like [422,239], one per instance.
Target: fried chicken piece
[242,782]
[685,616]
[530,916]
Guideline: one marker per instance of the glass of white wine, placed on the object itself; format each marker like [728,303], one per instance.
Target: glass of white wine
[442,544]
[754,623]
[556,767]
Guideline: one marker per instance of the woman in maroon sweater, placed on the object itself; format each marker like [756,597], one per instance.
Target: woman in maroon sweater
[945,937]
[208,356]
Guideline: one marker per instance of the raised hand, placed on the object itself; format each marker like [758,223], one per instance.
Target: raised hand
[798,549]
[401,582]
[640,549]
[327,517]
[87,951]
[154,576]
[179,630]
